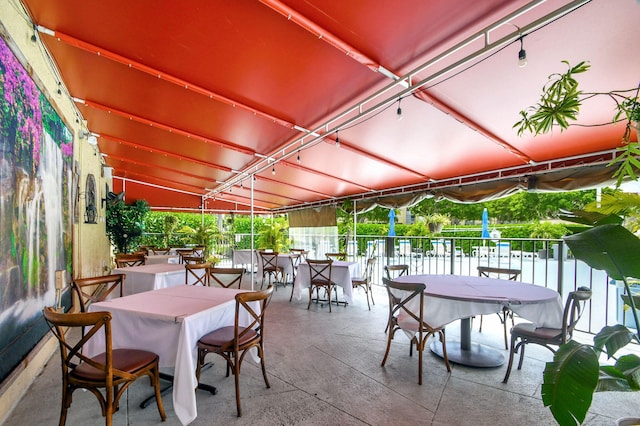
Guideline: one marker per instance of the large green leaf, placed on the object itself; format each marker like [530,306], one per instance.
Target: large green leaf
[612,338]
[611,248]
[592,218]
[569,382]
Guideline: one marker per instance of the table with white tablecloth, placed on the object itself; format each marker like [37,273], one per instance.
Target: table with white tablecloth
[452,297]
[169,322]
[151,277]
[244,257]
[341,274]
[152,259]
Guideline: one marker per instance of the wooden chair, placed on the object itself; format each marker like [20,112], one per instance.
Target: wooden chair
[233,342]
[365,281]
[394,271]
[295,258]
[524,333]
[225,277]
[199,251]
[302,252]
[510,274]
[196,274]
[96,289]
[320,278]
[192,259]
[127,260]
[162,251]
[270,268]
[182,253]
[407,313]
[336,256]
[113,370]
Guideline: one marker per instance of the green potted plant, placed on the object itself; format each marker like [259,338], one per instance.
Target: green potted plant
[272,235]
[124,223]
[436,221]
[575,374]
[560,103]
[204,235]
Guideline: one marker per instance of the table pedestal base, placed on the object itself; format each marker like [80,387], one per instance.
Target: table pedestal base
[169,378]
[476,356]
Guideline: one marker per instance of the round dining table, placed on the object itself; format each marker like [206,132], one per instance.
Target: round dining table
[452,297]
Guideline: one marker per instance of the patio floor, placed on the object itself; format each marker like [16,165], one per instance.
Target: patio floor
[324,368]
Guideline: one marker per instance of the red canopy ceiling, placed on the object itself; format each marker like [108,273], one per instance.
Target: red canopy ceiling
[198,102]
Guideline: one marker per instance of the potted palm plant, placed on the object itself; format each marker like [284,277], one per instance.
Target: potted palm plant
[575,374]
[436,222]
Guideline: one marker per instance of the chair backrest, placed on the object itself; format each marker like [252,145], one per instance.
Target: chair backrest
[71,353]
[488,271]
[368,272]
[126,260]
[336,256]
[199,251]
[193,259]
[182,253]
[96,289]
[405,299]
[295,259]
[395,271]
[196,274]
[319,271]
[245,303]
[162,250]
[269,260]
[225,277]
[302,252]
[573,309]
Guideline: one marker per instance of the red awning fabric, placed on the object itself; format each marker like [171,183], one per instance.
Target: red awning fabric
[219,106]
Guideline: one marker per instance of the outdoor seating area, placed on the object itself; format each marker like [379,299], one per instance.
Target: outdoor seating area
[332,375]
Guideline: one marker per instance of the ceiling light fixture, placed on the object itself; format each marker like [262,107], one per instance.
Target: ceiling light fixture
[298,158]
[522,54]
[399,110]
[337,140]
[273,170]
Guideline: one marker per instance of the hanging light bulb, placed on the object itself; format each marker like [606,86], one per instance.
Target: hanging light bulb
[399,110]
[337,140]
[298,158]
[522,55]
[273,170]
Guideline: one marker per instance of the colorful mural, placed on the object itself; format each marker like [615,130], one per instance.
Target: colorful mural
[36,151]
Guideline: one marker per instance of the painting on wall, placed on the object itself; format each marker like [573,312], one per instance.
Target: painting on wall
[36,164]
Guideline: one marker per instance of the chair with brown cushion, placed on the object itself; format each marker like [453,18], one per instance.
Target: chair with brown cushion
[225,277]
[96,289]
[320,278]
[270,268]
[407,313]
[127,260]
[336,256]
[364,282]
[196,274]
[233,342]
[510,274]
[113,370]
[526,332]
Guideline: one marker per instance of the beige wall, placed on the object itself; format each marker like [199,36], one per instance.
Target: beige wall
[90,247]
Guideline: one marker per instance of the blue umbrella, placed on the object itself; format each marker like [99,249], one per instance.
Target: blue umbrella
[392,230]
[485,224]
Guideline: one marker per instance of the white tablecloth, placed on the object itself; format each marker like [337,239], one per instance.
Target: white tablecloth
[153,259]
[151,277]
[244,257]
[169,322]
[452,297]
[284,261]
[341,274]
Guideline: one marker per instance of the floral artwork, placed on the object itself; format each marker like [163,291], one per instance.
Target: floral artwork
[36,153]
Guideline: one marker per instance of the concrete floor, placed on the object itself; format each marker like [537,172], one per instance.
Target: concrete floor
[324,368]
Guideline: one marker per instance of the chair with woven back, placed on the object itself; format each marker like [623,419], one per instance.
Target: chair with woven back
[225,277]
[320,278]
[511,274]
[526,332]
[128,260]
[97,289]
[270,268]
[196,274]
[113,370]
[364,282]
[233,342]
[406,313]
[336,256]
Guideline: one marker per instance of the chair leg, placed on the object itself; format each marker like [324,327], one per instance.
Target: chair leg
[310,296]
[264,368]
[236,373]
[420,347]
[371,293]
[480,329]
[366,293]
[386,353]
[511,352]
[293,286]
[443,340]
[156,386]
[329,298]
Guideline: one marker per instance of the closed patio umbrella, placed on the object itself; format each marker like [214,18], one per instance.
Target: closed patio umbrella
[485,224]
